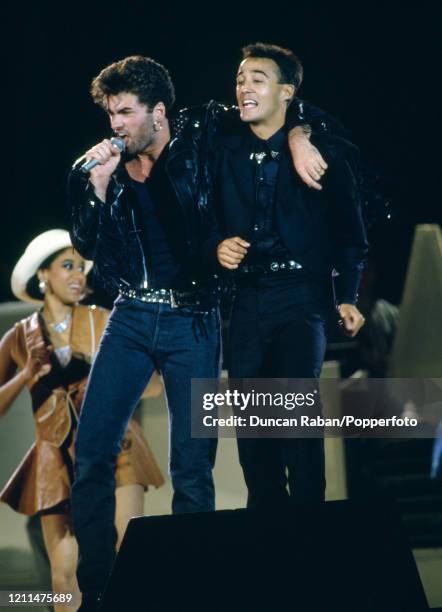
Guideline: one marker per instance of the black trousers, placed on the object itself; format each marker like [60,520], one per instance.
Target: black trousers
[278,330]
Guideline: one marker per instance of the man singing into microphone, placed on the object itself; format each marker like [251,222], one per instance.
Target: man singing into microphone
[145,218]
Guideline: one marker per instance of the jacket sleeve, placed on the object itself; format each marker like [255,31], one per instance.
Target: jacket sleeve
[347,225]
[213,237]
[225,118]
[88,215]
[221,119]
[204,126]
[213,233]
[301,112]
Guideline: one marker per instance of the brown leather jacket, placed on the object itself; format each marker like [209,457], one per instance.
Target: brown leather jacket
[53,417]
[44,477]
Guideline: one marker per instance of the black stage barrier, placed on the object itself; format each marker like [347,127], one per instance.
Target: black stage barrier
[336,557]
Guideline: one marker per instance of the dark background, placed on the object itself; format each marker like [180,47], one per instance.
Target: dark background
[374,66]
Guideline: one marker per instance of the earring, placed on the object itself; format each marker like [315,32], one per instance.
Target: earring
[43,285]
[157,126]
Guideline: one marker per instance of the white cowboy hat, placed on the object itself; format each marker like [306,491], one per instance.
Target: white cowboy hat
[39,249]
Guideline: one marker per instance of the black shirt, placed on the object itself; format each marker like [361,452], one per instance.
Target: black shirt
[322,230]
[266,244]
[165,271]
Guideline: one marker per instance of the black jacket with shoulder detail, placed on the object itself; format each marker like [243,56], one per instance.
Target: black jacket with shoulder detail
[108,232]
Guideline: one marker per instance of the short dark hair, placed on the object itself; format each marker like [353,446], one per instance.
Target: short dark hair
[289,65]
[32,286]
[138,75]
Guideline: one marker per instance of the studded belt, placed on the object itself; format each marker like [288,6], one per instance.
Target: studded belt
[176,299]
[270,267]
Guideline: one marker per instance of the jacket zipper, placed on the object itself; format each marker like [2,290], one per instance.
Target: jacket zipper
[171,155]
[146,279]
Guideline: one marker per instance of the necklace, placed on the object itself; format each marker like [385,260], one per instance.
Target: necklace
[260,156]
[61,326]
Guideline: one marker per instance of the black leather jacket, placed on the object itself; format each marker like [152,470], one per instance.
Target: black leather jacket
[108,233]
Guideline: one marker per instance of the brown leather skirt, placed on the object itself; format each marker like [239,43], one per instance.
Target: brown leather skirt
[44,477]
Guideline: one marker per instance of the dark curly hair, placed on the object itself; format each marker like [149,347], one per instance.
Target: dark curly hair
[138,75]
[289,65]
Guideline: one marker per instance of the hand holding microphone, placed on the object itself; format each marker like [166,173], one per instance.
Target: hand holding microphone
[101,162]
[102,153]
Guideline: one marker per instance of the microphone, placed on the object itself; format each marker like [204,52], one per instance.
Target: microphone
[88,165]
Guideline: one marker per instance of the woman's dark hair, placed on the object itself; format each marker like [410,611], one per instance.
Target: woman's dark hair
[138,75]
[32,287]
[289,65]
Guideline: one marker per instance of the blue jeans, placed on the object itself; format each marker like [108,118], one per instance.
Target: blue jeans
[140,337]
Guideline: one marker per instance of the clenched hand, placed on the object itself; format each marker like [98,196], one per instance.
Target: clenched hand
[352,319]
[231,252]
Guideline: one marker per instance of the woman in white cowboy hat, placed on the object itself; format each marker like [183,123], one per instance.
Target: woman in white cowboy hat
[52,351]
